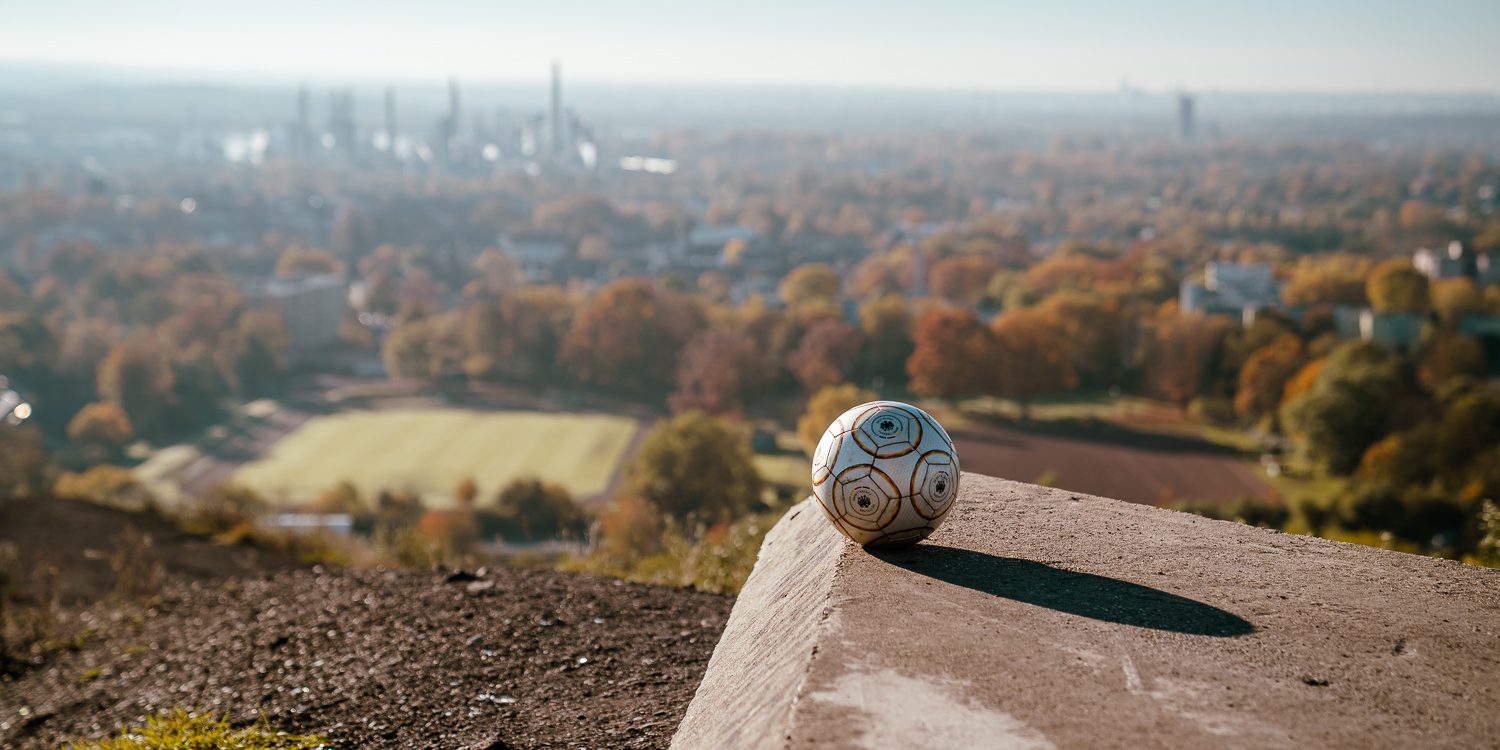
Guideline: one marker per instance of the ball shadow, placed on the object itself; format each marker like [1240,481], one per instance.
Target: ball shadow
[1083,594]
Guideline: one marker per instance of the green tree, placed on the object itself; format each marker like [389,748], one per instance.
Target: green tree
[810,283]
[1397,287]
[1349,408]
[529,509]
[695,465]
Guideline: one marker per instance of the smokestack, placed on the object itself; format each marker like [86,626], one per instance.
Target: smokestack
[453,101]
[390,116]
[557,143]
[304,119]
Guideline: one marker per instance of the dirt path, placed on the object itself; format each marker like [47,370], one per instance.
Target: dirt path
[408,659]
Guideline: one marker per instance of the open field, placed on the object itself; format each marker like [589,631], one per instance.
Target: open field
[430,450]
[1153,469]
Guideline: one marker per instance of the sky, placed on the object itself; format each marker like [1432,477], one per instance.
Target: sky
[1062,45]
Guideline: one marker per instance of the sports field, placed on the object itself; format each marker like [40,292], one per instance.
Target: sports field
[431,450]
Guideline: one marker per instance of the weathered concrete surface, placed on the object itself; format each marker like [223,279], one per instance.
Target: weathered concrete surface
[1037,618]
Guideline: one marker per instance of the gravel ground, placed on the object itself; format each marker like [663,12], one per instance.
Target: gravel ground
[377,659]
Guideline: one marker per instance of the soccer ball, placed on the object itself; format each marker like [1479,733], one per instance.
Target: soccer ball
[885,473]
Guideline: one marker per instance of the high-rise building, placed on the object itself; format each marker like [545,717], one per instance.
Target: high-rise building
[390,118]
[557,115]
[302,138]
[341,119]
[1185,123]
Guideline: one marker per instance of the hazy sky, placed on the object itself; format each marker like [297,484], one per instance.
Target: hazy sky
[1276,45]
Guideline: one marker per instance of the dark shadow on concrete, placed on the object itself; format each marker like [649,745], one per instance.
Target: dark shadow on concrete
[1082,594]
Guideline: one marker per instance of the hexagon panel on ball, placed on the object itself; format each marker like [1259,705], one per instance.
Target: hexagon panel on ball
[885,473]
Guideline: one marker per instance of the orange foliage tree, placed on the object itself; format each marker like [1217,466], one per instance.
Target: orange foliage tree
[628,337]
[1031,356]
[953,355]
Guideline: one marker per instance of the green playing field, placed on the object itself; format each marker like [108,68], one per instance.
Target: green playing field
[431,450]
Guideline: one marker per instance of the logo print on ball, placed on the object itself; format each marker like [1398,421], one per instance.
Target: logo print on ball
[887,431]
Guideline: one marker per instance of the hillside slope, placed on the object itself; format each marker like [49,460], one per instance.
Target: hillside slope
[373,659]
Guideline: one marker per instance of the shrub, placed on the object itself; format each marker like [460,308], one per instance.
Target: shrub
[180,730]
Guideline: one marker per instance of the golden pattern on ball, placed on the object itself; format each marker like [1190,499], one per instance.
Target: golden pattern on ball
[885,473]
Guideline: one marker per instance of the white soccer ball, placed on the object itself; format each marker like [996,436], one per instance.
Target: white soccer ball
[885,473]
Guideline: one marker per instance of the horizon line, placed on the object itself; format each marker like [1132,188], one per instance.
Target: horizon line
[261,78]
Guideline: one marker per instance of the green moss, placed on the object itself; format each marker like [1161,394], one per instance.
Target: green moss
[180,730]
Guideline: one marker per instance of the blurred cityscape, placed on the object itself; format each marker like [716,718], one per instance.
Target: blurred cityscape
[385,319]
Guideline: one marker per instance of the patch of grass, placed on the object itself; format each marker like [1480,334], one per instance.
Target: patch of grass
[430,450]
[90,675]
[180,730]
[717,558]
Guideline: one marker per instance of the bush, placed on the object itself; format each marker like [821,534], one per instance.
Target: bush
[113,486]
[529,509]
[1212,409]
[695,465]
[638,544]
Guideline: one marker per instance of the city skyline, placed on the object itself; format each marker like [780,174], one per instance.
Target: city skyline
[1083,45]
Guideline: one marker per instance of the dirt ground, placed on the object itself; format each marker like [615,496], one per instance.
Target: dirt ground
[1140,468]
[388,659]
[85,542]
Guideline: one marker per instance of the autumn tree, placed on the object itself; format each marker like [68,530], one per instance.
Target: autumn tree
[424,349]
[885,327]
[953,355]
[1396,287]
[809,283]
[824,407]
[1453,299]
[826,354]
[1095,331]
[25,466]
[628,337]
[577,214]
[960,279]
[101,426]
[1263,379]
[1450,355]
[1180,355]
[719,369]
[498,274]
[1327,280]
[138,377]
[254,354]
[303,261]
[1030,356]
[695,465]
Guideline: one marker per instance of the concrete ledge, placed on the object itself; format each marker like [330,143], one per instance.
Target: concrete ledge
[1038,618]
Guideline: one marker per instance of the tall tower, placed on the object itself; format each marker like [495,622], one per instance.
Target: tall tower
[390,117]
[453,101]
[1185,124]
[557,123]
[302,139]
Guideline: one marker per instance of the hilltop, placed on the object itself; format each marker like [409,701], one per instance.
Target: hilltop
[388,658]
